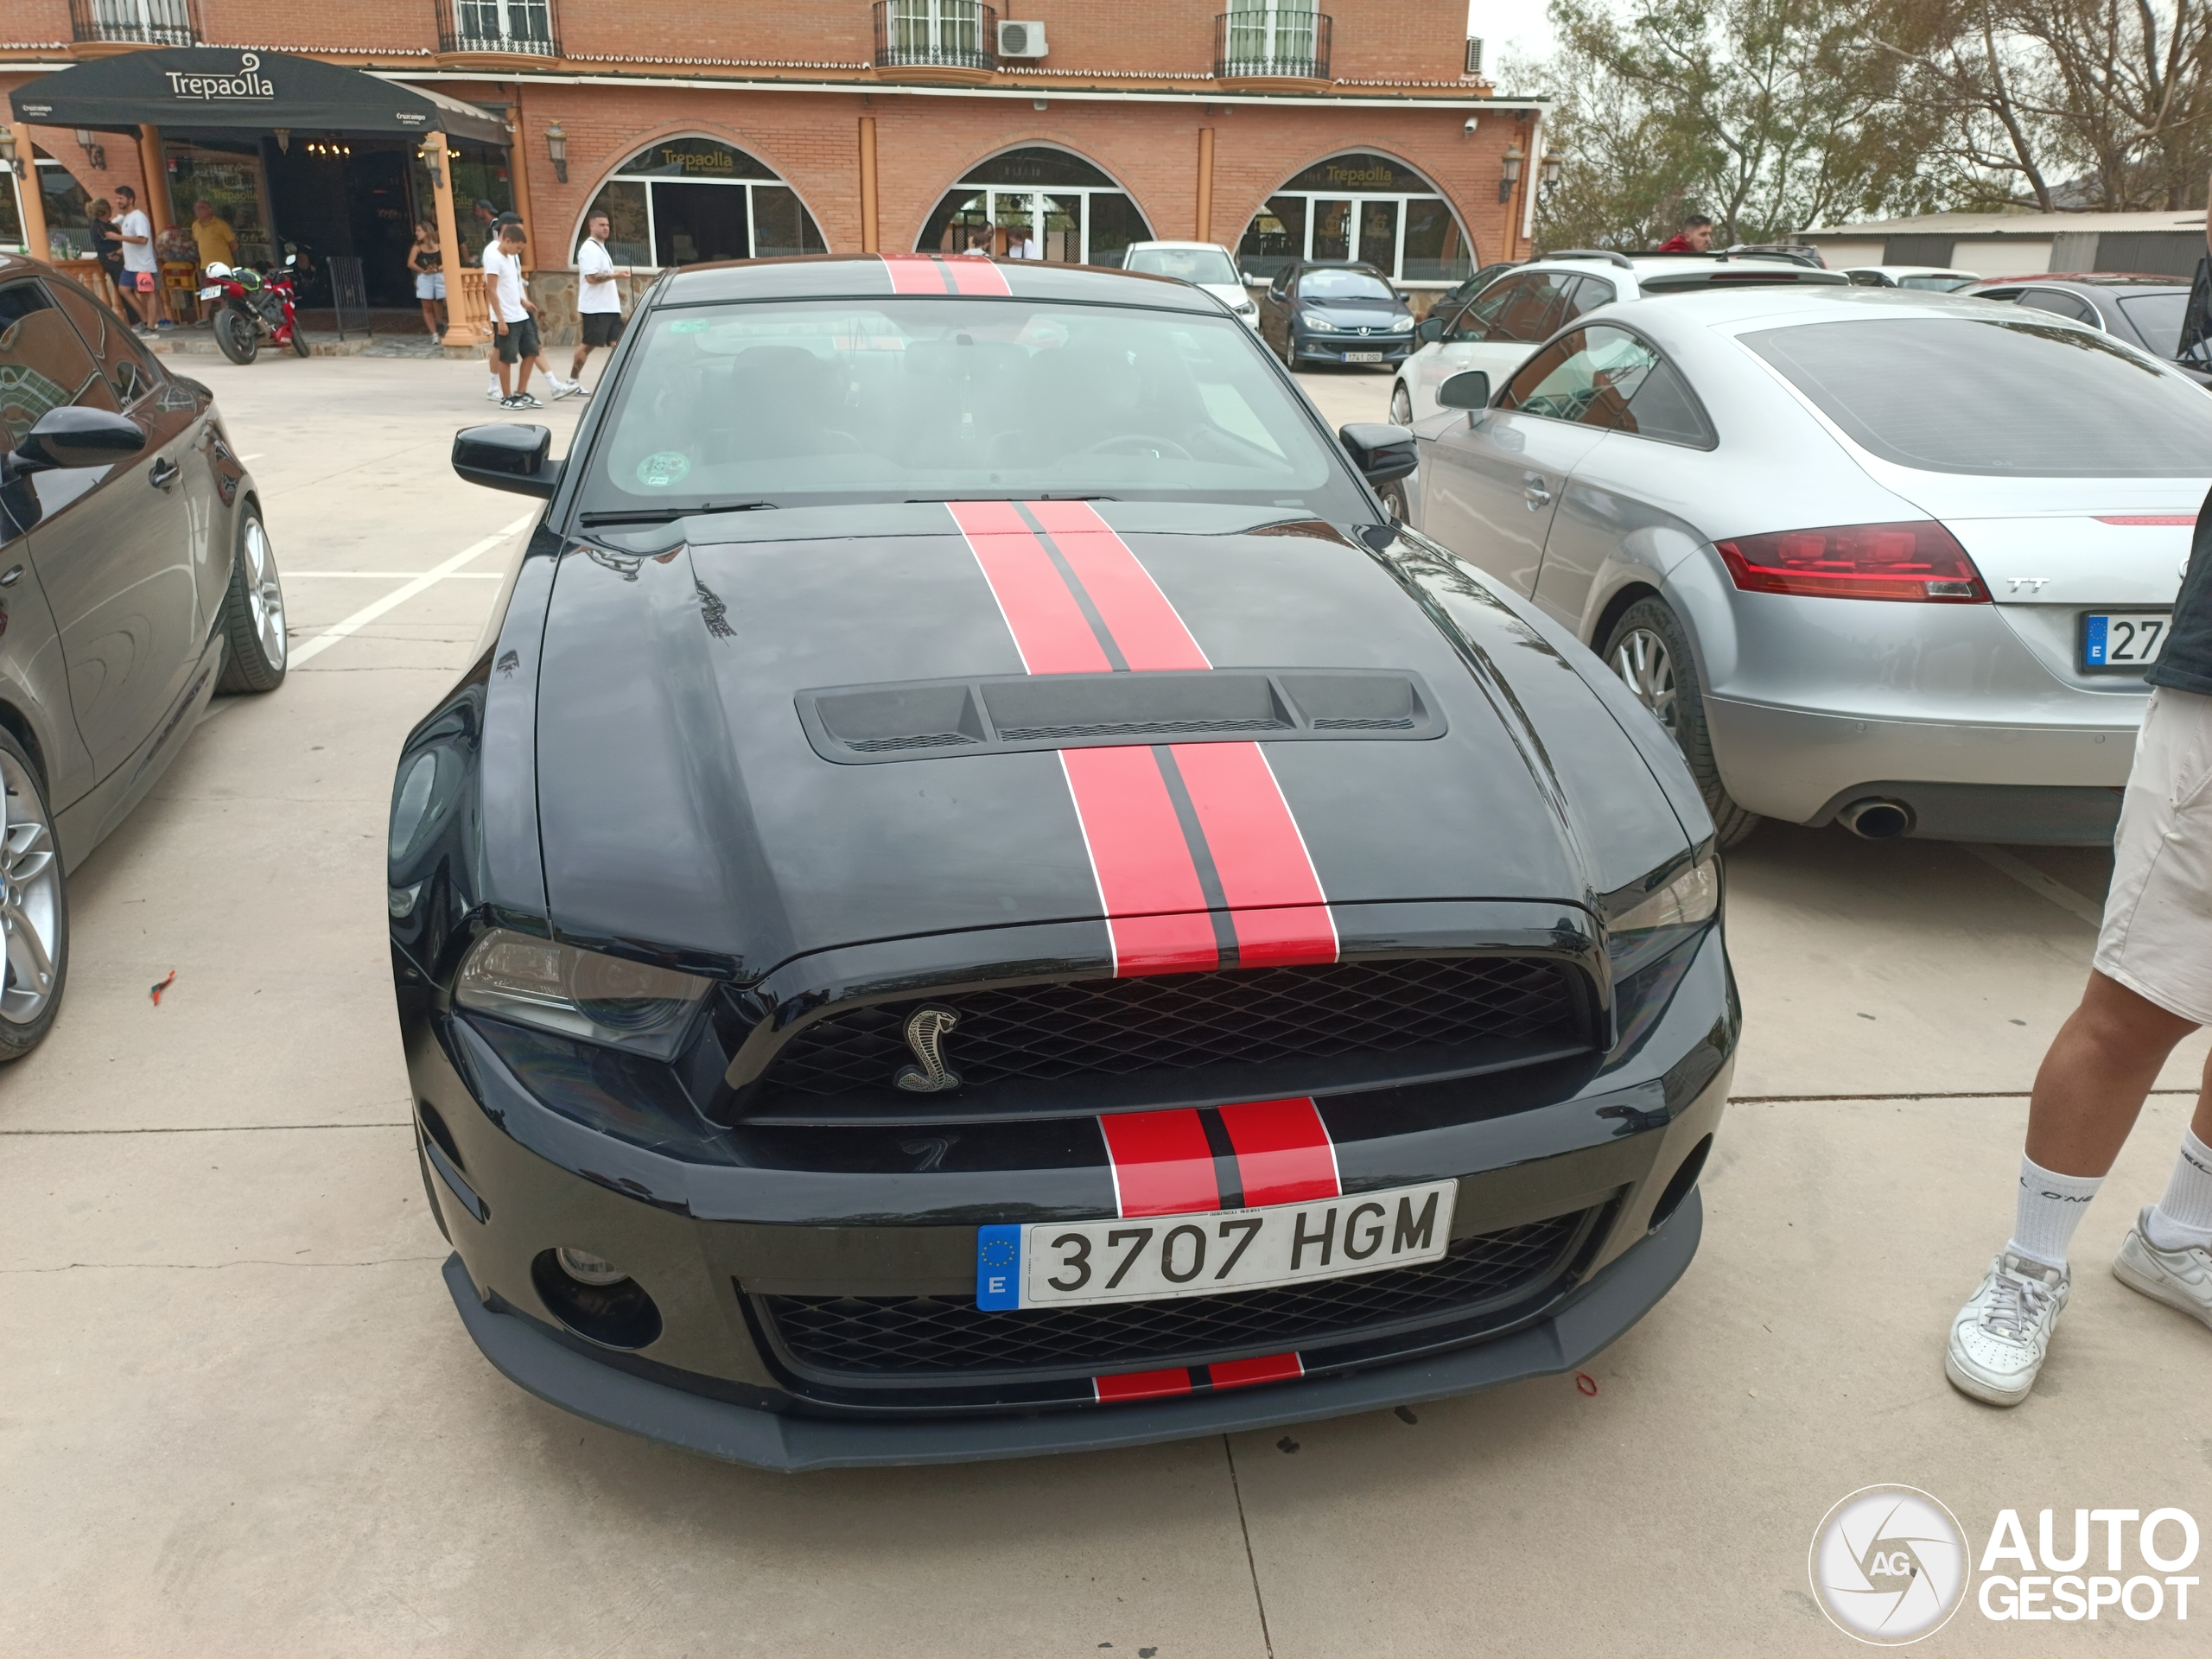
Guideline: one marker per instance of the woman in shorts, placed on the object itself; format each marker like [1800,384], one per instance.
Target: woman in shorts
[427,261]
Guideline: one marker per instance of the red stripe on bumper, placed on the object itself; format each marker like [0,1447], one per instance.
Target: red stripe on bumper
[1049,628]
[1283,1154]
[1147,880]
[1141,1385]
[915,273]
[1259,855]
[1268,1368]
[1144,626]
[1162,1164]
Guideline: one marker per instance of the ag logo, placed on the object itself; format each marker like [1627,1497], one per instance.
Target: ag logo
[1889,1565]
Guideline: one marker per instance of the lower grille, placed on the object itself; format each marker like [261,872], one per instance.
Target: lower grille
[1181,1022]
[937,1337]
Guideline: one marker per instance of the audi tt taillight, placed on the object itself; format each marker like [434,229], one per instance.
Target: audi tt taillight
[1922,561]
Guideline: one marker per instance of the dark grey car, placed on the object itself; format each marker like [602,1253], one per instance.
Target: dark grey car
[1335,311]
[135,578]
[2145,311]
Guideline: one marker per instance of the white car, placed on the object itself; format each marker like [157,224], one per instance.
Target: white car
[1926,279]
[1201,265]
[1508,319]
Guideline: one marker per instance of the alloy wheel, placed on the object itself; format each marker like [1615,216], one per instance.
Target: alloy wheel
[265,593]
[1647,668]
[1401,407]
[30,897]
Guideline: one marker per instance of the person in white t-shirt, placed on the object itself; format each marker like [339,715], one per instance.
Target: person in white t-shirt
[514,322]
[142,270]
[599,302]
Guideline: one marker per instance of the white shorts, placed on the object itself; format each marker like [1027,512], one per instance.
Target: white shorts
[430,284]
[2157,937]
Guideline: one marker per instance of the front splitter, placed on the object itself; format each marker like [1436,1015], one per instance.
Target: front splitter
[1613,1301]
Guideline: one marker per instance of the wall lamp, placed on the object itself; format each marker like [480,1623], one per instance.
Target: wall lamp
[93,151]
[432,155]
[1509,174]
[556,146]
[1548,172]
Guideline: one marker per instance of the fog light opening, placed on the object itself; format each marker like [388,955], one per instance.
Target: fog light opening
[586,1268]
[615,1314]
[1678,1186]
[1875,819]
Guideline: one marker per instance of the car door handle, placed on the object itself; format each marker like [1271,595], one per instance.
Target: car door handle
[1532,487]
[163,473]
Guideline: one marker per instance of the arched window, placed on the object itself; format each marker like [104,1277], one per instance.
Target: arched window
[1360,207]
[686,200]
[1036,204]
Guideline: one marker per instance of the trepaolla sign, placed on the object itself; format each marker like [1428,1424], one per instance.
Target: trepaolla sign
[248,83]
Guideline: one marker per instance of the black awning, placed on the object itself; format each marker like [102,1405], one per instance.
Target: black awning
[189,87]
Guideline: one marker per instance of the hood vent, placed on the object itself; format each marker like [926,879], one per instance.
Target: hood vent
[924,720]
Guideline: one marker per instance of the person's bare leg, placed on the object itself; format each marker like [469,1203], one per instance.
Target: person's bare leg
[522,383]
[2094,1080]
[499,367]
[431,318]
[576,363]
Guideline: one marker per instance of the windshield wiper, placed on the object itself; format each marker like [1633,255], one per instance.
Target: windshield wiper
[666,515]
[1049,495]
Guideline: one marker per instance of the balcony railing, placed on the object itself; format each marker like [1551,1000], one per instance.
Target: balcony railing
[1264,41]
[527,27]
[935,34]
[136,22]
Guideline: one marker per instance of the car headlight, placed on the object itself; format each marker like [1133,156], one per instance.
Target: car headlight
[1314,323]
[1659,918]
[583,994]
[1401,325]
[1247,309]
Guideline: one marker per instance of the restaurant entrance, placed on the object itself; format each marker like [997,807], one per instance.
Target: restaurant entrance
[337,196]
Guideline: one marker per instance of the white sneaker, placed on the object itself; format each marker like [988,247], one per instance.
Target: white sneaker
[493,392]
[1999,1340]
[2181,1279]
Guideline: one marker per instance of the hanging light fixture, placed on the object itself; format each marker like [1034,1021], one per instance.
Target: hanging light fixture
[1510,174]
[93,152]
[556,147]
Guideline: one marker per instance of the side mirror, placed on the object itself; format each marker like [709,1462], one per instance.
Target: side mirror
[516,458]
[1383,453]
[1428,331]
[1469,389]
[71,436]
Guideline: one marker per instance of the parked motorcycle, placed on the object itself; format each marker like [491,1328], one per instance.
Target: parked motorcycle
[251,305]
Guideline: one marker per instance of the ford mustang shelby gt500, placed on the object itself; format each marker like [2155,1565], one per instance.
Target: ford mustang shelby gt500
[980,899]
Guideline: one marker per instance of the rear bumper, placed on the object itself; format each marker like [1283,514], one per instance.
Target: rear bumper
[1600,1312]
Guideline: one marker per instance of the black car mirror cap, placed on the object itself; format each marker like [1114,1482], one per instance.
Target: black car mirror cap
[74,435]
[1383,453]
[1469,389]
[1428,331]
[504,456]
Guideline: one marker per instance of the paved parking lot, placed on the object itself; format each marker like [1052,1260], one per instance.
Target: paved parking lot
[238,1415]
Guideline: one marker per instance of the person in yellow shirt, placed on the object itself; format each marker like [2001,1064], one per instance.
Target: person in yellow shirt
[218,242]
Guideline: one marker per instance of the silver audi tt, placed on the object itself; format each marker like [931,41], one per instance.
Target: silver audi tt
[1895,561]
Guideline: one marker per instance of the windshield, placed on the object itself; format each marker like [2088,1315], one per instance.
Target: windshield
[1344,286]
[2003,396]
[812,402]
[1188,265]
[2157,318]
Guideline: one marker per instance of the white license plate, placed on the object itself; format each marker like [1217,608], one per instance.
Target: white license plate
[2123,639]
[210,293]
[1058,1263]
[1363,357]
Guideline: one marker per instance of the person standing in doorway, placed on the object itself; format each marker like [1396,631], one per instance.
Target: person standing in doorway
[599,302]
[217,243]
[141,270]
[1695,236]
[426,264]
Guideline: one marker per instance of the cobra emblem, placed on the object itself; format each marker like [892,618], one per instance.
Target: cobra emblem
[925,1030]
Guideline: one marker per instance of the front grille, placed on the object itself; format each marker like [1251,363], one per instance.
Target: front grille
[1184,1022]
[890,1337]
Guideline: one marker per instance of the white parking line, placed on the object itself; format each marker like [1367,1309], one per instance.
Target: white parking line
[398,596]
[389,576]
[2036,882]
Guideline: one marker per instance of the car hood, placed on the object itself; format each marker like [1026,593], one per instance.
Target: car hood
[686,801]
[1355,316]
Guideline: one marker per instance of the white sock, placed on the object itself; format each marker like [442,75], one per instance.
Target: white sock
[2051,1206]
[2183,1217]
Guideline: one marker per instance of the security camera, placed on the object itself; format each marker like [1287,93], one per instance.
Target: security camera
[1470,128]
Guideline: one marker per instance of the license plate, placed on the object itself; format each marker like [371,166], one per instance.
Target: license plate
[210,293]
[2123,639]
[1146,1258]
[1363,357]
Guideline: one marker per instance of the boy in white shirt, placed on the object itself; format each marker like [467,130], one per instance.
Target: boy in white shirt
[599,302]
[514,321]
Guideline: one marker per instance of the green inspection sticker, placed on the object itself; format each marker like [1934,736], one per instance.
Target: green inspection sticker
[690,326]
[669,467]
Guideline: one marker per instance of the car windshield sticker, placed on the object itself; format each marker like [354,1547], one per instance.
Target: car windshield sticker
[690,326]
[670,467]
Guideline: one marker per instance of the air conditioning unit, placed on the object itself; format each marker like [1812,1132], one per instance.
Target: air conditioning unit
[1021,40]
[1474,56]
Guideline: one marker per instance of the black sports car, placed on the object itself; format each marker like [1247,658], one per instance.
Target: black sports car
[982,900]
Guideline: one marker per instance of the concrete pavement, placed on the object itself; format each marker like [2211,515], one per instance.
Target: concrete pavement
[238,1415]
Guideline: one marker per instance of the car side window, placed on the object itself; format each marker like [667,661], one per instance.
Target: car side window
[1473,323]
[2001,296]
[2061,304]
[1608,377]
[128,368]
[1590,293]
[1280,288]
[42,363]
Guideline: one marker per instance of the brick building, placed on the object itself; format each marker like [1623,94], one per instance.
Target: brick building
[1054,128]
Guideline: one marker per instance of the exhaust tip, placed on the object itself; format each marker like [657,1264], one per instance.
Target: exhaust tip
[1877,819]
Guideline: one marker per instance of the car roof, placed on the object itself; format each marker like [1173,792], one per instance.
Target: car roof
[1696,270]
[2087,279]
[1164,242]
[1786,306]
[849,275]
[1916,270]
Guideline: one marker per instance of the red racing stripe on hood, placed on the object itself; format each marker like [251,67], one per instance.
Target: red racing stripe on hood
[1276,902]
[1048,626]
[1144,626]
[1147,882]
